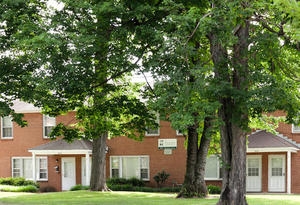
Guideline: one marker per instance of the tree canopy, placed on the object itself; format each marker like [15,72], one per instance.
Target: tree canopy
[230,60]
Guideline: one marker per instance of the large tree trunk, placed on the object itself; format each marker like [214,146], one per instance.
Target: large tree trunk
[233,113]
[233,145]
[194,184]
[98,175]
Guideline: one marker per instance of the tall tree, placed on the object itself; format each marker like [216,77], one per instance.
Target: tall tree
[251,69]
[81,52]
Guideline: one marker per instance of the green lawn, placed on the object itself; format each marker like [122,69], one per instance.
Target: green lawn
[134,198]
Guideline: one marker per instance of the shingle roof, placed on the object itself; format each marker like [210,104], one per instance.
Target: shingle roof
[64,145]
[263,139]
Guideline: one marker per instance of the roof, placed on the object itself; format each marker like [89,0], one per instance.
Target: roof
[23,107]
[63,147]
[263,140]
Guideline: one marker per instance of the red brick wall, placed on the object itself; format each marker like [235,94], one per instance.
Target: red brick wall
[173,164]
[26,138]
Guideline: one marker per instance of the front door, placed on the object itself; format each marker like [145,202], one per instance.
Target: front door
[68,173]
[276,173]
[253,171]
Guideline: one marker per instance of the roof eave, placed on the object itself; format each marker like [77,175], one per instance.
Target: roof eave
[272,149]
[59,152]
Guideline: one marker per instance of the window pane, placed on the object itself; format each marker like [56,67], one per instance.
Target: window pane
[16,167]
[48,130]
[49,121]
[115,173]
[7,132]
[7,121]
[130,167]
[43,172]
[152,131]
[144,174]
[115,162]
[212,167]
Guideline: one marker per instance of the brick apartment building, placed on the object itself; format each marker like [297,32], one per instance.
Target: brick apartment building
[272,160]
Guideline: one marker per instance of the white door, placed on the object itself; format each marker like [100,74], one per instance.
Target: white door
[276,173]
[253,171]
[68,172]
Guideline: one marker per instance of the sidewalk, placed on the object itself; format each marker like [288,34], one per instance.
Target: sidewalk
[11,194]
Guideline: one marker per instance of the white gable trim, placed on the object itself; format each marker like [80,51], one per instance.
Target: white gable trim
[59,152]
[272,149]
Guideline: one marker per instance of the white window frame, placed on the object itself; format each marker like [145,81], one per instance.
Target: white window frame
[3,127]
[158,128]
[217,167]
[179,133]
[38,167]
[295,129]
[45,124]
[120,158]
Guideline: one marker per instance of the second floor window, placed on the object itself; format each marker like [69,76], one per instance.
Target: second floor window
[153,131]
[295,128]
[48,124]
[7,127]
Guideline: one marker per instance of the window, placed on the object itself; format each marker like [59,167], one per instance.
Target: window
[22,167]
[48,123]
[295,128]
[129,166]
[153,131]
[7,127]
[212,168]
[179,132]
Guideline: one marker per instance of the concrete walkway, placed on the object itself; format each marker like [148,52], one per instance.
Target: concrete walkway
[12,194]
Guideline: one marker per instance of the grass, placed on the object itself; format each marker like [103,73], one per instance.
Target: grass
[134,198]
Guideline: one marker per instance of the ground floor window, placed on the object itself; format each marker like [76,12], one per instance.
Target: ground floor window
[213,169]
[129,166]
[22,167]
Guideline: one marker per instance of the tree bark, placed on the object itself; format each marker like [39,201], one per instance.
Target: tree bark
[98,175]
[233,113]
[194,184]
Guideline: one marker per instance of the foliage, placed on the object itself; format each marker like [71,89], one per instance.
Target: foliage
[122,181]
[212,189]
[161,177]
[17,181]
[79,187]
[47,189]
[26,188]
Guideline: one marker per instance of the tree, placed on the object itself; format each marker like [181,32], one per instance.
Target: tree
[81,53]
[251,69]
[13,72]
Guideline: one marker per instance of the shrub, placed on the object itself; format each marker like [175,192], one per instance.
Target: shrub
[122,181]
[161,178]
[10,188]
[47,189]
[79,187]
[17,181]
[136,182]
[212,189]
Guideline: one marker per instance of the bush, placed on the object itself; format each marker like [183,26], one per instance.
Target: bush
[212,189]
[17,181]
[122,181]
[79,187]
[48,189]
[10,188]
[161,178]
